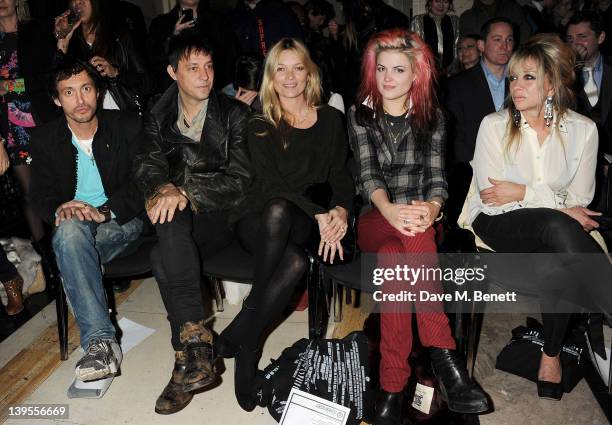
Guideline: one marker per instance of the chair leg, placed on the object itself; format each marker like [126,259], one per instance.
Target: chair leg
[217,292]
[61,307]
[337,300]
[473,337]
[317,305]
[610,372]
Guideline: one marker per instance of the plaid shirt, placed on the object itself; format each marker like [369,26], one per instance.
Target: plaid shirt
[408,172]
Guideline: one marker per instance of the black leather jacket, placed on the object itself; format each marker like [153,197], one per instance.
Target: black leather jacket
[134,83]
[215,171]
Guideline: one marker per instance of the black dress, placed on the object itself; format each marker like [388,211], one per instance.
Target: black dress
[308,157]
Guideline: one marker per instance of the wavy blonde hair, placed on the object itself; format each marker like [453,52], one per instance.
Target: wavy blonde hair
[272,110]
[553,60]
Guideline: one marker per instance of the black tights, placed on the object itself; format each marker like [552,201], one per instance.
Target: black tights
[276,237]
[545,230]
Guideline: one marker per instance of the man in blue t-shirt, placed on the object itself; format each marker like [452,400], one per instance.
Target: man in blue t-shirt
[81,184]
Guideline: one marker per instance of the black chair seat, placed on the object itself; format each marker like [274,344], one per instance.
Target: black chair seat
[134,261]
[349,275]
[231,263]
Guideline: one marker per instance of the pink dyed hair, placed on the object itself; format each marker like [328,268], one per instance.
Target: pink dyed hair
[422,93]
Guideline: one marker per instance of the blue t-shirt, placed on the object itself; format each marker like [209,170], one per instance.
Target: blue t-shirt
[89,186]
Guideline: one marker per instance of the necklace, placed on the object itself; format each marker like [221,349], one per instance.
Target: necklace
[303,116]
[402,126]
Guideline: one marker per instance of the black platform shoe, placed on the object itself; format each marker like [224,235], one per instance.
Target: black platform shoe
[389,408]
[458,390]
[550,390]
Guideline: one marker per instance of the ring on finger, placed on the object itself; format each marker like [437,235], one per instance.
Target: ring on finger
[406,221]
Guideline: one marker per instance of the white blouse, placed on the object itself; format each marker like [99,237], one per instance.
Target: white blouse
[558,174]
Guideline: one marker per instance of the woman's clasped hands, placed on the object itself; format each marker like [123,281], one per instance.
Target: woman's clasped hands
[332,228]
[413,218]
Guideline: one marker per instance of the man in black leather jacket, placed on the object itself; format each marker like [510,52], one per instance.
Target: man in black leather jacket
[193,167]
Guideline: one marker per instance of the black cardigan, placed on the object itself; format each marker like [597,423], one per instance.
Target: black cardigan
[313,156]
[114,148]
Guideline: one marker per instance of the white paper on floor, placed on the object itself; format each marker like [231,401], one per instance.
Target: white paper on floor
[603,366]
[133,334]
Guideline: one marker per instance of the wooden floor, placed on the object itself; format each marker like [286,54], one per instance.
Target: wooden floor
[22,375]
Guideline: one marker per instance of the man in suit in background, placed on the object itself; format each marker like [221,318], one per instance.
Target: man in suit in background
[470,96]
[585,34]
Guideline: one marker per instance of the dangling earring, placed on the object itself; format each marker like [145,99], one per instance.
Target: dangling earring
[516,116]
[548,111]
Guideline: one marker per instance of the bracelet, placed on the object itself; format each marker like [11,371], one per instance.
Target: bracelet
[439,205]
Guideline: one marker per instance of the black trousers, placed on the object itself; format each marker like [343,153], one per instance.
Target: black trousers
[176,262]
[558,280]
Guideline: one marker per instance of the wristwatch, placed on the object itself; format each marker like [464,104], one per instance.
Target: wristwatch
[105,210]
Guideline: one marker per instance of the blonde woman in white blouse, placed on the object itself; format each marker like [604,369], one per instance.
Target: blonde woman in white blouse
[534,175]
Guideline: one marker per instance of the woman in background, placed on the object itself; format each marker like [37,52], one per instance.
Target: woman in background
[87,32]
[26,63]
[439,30]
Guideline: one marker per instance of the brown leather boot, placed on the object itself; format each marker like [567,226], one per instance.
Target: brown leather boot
[198,342]
[173,398]
[15,297]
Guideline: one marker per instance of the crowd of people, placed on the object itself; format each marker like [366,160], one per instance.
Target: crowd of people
[213,127]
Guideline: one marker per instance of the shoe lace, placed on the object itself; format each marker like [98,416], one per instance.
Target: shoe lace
[96,345]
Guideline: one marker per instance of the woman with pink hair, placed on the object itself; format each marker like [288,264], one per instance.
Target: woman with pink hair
[397,133]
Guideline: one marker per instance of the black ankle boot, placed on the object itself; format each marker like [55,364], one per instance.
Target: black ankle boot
[225,348]
[245,384]
[459,391]
[174,398]
[389,407]
[228,342]
[199,363]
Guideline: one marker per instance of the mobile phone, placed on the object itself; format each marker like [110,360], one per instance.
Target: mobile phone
[187,15]
[73,16]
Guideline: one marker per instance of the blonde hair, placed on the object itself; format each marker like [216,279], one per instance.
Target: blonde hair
[554,60]
[23,11]
[272,110]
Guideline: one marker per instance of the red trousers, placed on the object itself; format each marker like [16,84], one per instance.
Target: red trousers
[376,235]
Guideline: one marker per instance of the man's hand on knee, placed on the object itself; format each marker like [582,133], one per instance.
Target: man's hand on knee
[167,200]
[81,210]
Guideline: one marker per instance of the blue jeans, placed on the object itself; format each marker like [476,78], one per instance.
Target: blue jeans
[80,248]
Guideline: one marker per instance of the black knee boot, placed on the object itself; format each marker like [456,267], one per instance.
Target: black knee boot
[458,389]
[241,341]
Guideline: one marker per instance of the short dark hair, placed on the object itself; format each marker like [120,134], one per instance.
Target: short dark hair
[321,7]
[186,43]
[247,72]
[594,20]
[68,68]
[473,36]
[486,27]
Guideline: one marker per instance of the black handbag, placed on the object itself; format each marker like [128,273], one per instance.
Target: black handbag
[521,356]
[337,370]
